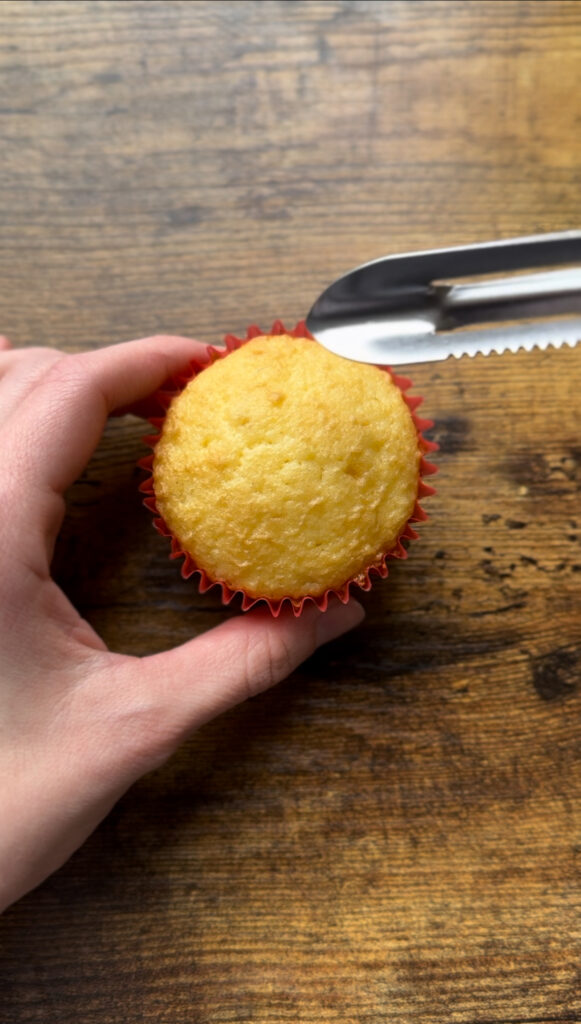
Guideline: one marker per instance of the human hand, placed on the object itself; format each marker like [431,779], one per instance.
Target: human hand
[78,723]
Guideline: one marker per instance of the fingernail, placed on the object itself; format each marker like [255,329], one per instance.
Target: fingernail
[338,619]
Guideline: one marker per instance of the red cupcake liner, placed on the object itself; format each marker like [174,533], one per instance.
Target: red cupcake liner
[363,580]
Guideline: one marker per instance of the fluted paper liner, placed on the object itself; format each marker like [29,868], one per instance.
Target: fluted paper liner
[363,579]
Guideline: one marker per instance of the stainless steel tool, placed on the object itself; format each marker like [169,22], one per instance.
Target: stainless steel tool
[424,306]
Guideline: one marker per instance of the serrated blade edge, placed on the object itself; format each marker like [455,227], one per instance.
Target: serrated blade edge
[420,343]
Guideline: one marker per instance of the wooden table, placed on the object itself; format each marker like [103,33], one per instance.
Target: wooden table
[394,835]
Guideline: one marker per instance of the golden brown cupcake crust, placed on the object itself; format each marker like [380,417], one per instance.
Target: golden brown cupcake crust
[285,470]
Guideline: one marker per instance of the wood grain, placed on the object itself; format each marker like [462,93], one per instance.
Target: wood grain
[394,834]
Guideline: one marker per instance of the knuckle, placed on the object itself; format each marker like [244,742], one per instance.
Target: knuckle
[63,370]
[137,719]
[268,659]
[68,377]
[39,356]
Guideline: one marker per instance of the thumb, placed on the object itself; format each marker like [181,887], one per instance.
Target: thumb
[187,686]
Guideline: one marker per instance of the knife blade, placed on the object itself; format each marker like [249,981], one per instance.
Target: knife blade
[426,306]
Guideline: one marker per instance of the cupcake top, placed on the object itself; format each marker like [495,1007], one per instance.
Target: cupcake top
[285,470]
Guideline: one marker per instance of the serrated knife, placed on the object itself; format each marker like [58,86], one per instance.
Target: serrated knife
[424,306]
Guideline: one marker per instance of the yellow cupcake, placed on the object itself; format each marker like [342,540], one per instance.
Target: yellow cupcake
[284,470]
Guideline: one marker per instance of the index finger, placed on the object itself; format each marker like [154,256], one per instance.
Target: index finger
[56,431]
[51,437]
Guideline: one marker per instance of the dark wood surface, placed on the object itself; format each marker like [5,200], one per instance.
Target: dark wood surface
[394,835]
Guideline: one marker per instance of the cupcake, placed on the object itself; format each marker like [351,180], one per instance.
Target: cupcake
[285,472]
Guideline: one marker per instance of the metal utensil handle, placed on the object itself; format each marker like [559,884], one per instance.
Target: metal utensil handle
[511,289]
